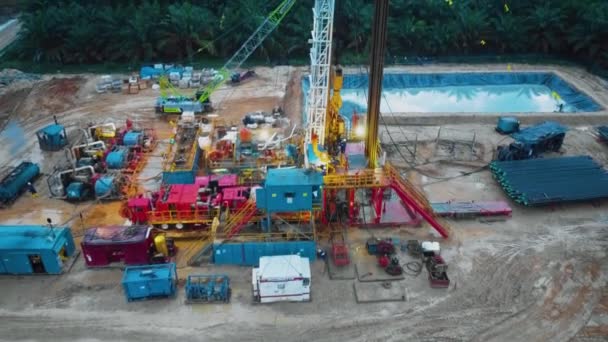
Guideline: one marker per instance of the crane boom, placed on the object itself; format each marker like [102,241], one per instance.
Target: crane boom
[253,42]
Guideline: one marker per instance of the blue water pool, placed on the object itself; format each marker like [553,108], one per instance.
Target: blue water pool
[467,92]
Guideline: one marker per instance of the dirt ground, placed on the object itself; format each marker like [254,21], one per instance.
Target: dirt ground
[540,275]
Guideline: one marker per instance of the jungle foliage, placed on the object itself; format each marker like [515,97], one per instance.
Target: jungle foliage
[86,31]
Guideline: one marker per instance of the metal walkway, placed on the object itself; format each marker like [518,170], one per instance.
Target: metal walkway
[388,177]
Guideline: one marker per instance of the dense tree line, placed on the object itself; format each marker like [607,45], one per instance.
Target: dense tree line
[86,31]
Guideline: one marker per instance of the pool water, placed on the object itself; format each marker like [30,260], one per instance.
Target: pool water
[507,98]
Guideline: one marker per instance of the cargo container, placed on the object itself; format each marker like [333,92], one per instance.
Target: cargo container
[281,278]
[35,249]
[145,282]
[102,246]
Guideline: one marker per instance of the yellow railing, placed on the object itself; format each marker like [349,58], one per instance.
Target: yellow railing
[237,217]
[363,179]
[170,157]
[395,177]
[182,216]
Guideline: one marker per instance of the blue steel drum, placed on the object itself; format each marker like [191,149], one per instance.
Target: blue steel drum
[132,138]
[104,186]
[117,159]
[75,190]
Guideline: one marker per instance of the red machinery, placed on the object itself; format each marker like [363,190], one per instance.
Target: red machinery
[224,149]
[437,268]
[179,205]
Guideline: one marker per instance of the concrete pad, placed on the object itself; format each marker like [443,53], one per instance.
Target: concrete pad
[377,292]
[346,272]
[367,270]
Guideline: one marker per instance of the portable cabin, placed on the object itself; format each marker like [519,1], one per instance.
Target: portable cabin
[34,249]
[290,190]
[102,246]
[145,282]
[281,278]
[52,137]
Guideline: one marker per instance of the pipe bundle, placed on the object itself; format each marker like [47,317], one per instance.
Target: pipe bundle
[533,182]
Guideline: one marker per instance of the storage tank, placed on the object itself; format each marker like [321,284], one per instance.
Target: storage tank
[117,159]
[507,125]
[104,186]
[132,138]
[12,185]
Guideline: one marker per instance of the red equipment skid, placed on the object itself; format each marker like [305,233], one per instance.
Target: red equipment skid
[196,204]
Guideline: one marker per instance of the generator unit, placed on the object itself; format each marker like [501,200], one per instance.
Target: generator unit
[207,288]
[14,183]
[150,281]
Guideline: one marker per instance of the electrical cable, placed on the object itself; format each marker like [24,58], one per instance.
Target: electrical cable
[412,268]
[412,166]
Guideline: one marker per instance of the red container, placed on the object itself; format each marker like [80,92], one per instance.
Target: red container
[102,246]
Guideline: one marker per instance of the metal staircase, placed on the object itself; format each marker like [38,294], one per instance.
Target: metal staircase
[238,219]
[388,177]
[196,252]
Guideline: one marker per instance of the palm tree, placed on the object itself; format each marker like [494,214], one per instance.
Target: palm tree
[188,28]
[546,26]
[141,32]
[42,35]
[508,32]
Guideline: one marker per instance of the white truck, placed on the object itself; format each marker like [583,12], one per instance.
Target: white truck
[281,278]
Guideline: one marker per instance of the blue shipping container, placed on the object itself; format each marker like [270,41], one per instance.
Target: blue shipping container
[249,253]
[34,249]
[143,282]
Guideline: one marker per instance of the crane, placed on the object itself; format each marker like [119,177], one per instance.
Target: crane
[267,26]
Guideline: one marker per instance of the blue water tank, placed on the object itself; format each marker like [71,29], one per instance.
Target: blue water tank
[132,138]
[117,159]
[16,180]
[104,186]
[507,125]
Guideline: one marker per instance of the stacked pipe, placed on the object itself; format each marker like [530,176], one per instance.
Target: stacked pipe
[533,182]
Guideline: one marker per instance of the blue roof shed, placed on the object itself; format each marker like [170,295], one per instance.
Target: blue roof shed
[52,137]
[34,249]
[290,190]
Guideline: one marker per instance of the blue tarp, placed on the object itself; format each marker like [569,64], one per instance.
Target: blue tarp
[533,134]
[578,100]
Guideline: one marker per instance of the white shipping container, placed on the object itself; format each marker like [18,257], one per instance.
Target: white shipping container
[281,278]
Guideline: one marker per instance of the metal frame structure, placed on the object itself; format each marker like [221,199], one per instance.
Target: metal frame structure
[320,70]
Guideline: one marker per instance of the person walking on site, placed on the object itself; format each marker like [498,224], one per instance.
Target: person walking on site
[32,190]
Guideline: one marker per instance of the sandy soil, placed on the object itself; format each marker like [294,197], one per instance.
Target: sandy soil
[540,275]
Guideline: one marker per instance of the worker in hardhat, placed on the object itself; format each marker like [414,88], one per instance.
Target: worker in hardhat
[32,190]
